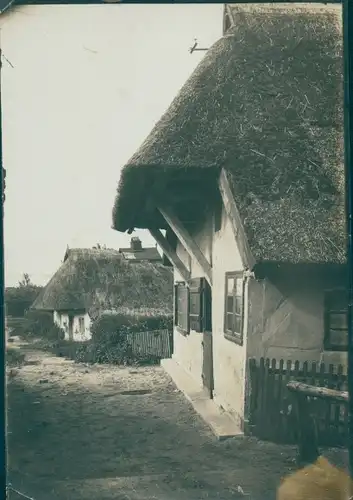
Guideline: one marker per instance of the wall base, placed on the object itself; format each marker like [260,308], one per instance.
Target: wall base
[220,422]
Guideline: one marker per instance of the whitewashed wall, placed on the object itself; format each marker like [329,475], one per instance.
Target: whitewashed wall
[188,350]
[62,320]
[229,359]
[287,320]
[86,334]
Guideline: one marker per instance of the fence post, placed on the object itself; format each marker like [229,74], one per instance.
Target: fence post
[253,394]
[308,450]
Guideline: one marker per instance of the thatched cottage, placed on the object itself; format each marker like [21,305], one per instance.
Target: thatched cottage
[91,281]
[245,172]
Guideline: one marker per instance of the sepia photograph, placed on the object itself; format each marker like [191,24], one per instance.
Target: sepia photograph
[177,293]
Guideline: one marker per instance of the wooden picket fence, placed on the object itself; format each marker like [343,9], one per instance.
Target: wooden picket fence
[272,410]
[156,343]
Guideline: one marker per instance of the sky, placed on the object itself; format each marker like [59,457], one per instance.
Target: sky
[83,88]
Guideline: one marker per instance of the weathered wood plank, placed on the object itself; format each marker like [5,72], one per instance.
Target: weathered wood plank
[186,240]
[318,392]
[169,252]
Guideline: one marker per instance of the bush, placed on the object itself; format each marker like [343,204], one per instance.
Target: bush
[109,343]
[39,324]
[19,299]
[55,333]
[114,325]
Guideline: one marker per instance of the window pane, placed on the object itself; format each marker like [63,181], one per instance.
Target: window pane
[182,307]
[239,287]
[339,338]
[194,303]
[181,299]
[230,304]
[238,304]
[237,325]
[230,286]
[338,321]
[229,322]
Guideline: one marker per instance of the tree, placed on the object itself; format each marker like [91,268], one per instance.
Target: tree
[19,298]
[26,281]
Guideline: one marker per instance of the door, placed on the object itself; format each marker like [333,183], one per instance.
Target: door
[207,367]
[71,329]
[207,341]
[200,308]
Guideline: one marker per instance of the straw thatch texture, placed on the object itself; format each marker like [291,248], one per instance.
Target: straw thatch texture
[97,280]
[266,104]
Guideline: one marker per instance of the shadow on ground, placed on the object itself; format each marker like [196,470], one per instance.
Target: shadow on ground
[68,441]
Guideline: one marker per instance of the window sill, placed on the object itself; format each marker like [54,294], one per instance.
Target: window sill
[233,338]
[182,332]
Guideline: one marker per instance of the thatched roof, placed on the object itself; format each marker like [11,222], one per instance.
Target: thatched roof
[95,280]
[265,103]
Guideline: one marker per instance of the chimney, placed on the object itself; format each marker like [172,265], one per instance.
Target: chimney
[135,243]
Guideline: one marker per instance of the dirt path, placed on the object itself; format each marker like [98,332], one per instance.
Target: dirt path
[103,432]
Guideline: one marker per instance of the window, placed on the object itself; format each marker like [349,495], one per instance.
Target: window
[81,324]
[200,305]
[233,314]
[336,320]
[181,314]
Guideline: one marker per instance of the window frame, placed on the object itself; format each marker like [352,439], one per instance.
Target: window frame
[328,345]
[231,335]
[176,325]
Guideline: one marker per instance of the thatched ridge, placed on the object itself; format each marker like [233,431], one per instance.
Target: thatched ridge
[266,104]
[96,280]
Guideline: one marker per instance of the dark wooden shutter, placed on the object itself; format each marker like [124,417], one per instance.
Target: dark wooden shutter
[207,307]
[195,314]
[175,304]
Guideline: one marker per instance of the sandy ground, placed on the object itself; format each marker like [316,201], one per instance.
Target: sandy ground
[103,432]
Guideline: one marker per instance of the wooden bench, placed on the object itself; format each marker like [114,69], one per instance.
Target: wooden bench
[308,449]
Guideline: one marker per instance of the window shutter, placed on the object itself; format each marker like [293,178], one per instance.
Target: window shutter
[207,307]
[175,304]
[195,314]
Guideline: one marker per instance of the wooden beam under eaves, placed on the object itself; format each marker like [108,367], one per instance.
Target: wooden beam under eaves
[169,252]
[186,240]
[236,222]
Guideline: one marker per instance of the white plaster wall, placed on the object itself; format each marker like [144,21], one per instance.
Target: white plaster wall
[56,318]
[287,321]
[229,359]
[188,351]
[62,320]
[86,335]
